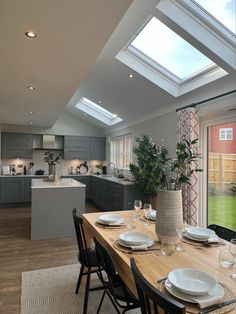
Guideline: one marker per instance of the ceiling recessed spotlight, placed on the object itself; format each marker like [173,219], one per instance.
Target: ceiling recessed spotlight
[130,75]
[31,34]
[99,101]
[31,122]
[85,114]
[115,115]
[31,87]
[31,112]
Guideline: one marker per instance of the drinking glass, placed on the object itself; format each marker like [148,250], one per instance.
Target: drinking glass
[137,207]
[179,247]
[226,260]
[147,210]
[167,247]
[131,223]
[232,249]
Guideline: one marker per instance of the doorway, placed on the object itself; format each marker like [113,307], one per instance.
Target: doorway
[221,174]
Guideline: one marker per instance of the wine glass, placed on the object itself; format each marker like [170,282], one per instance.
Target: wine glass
[232,249]
[167,247]
[147,210]
[179,247]
[137,207]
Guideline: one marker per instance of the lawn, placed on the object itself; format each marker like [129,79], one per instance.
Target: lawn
[222,211]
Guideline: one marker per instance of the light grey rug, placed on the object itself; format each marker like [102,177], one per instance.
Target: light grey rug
[52,291]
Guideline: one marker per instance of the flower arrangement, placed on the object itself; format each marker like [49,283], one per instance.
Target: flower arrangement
[51,158]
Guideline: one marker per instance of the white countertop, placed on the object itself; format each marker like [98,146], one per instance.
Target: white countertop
[62,183]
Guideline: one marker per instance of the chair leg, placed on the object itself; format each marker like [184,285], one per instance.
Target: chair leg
[79,279]
[100,304]
[87,291]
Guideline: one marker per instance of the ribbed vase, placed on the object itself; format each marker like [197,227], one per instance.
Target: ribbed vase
[52,169]
[169,215]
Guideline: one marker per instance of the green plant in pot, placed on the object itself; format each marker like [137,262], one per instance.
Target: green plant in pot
[156,174]
[51,159]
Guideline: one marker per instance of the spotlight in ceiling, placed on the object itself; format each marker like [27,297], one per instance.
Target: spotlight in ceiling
[31,112]
[31,87]
[31,34]
[99,101]
[130,75]
[31,122]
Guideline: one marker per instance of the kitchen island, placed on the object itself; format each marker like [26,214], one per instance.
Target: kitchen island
[52,204]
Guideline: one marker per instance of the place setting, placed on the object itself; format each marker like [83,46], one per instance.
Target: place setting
[110,221]
[135,242]
[202,237]
[200,291]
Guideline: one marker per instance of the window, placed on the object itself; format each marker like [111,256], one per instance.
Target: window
[165,58]
[98,112]
[121,151]
[226,134]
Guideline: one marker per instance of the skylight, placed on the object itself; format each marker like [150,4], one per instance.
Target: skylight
[222,10]
[163,46]
[97,111]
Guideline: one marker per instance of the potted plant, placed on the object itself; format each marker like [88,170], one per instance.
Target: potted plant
[51,159]
[157,174]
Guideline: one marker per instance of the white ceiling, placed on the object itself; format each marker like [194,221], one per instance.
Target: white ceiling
[60,62]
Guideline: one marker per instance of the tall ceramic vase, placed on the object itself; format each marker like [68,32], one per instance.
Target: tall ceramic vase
[169,214]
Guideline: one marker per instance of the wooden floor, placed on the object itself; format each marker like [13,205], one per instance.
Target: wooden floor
[18,253]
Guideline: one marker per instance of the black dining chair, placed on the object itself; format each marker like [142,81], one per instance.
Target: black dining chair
[223,232]
[151,298]
[121,297]
[87,258]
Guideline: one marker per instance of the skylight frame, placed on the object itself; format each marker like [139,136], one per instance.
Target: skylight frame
[97,112]
[208,19]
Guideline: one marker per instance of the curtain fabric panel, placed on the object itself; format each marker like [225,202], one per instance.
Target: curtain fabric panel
[188,129]
[121,151]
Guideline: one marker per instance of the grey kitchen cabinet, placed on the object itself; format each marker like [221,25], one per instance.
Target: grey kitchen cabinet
[98,148]
[76,147]
[15,189]
[108,195]
[84,147]
[17,145]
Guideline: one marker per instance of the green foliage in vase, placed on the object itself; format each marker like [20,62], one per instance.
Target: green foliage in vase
[154,170]
[51,158]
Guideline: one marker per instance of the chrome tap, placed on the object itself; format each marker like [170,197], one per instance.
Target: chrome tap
[114,167]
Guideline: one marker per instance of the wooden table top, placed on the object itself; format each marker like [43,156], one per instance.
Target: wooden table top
[153,265]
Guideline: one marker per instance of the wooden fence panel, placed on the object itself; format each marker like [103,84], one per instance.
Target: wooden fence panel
[221,168]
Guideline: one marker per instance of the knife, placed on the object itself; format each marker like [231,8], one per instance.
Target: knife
[216,306]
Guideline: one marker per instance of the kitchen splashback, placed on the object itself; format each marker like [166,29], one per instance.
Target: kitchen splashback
[63,168]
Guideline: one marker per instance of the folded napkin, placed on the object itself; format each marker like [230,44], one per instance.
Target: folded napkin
[139,247]
[213,239]
[205,300]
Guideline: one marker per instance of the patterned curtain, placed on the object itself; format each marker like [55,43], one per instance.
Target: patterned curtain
[188,128]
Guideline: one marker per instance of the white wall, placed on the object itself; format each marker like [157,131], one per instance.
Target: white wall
[66,124]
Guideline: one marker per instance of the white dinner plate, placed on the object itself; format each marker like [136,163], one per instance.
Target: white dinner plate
[217,291]
[110,219]
[148,243]
[134,238]
[188,236]
[191,281]
[152,215]
[200,233]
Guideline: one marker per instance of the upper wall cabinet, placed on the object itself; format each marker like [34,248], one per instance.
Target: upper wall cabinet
[17,145]
[84,147]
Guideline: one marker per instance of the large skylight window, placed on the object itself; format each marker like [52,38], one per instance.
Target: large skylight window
[97,112]
[170,51]
[222,10]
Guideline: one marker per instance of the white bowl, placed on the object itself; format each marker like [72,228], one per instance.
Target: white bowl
[110,218]
[192,281]
[134,238]
[200,233]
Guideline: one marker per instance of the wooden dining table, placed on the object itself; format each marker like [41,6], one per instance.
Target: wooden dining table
[152,264]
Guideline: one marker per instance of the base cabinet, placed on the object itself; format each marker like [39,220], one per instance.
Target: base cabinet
[15,190]
[109,196]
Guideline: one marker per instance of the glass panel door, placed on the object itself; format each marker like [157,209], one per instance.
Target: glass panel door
[222,175]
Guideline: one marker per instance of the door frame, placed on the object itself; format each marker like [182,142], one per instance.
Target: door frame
[203,191]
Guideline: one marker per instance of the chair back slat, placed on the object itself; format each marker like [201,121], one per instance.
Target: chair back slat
[150,297]
[81,240]
[223,232]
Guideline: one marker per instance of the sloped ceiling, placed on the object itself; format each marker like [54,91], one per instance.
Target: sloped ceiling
[71,35]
